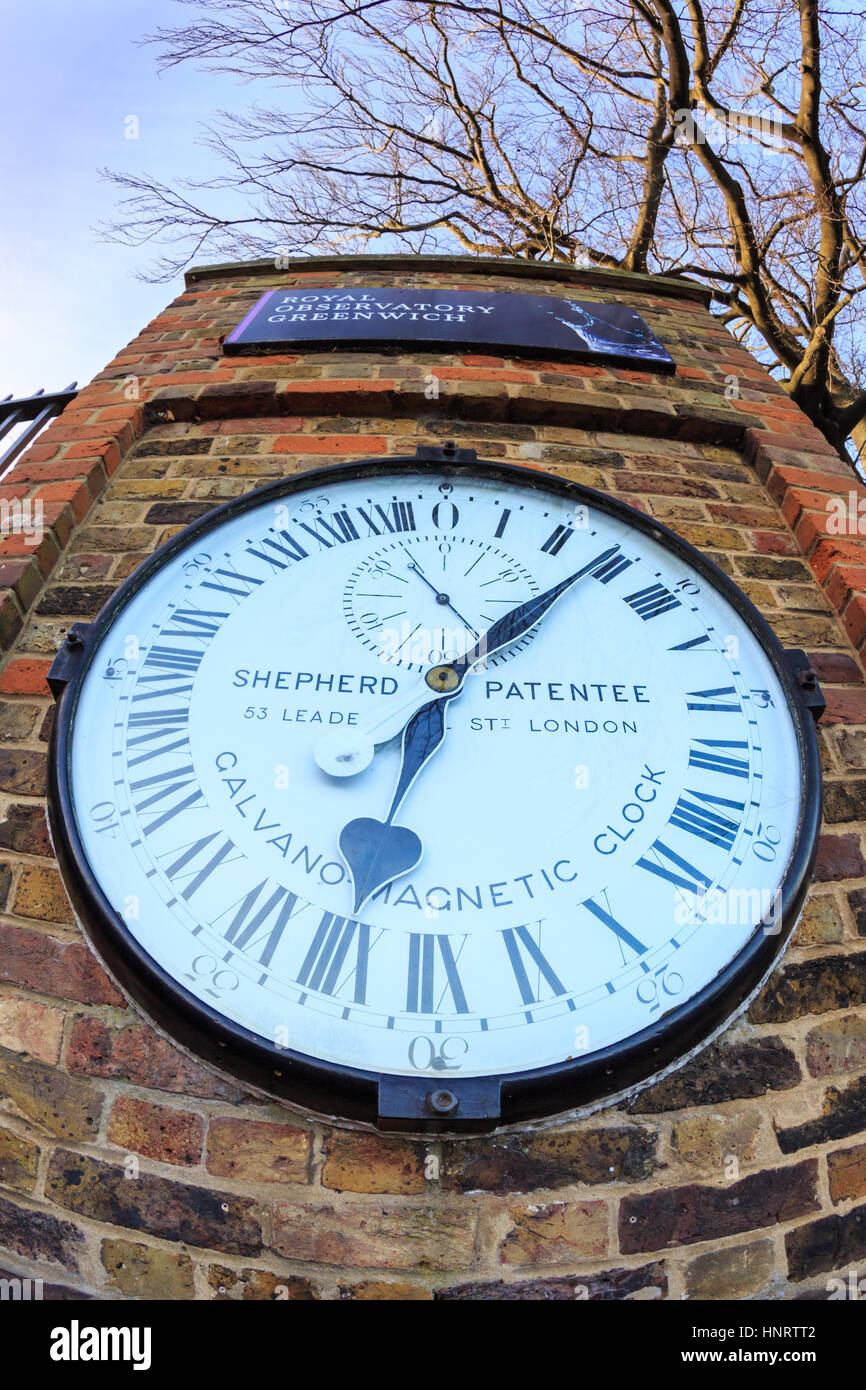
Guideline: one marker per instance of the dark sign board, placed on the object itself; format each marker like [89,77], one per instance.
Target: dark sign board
[448,318]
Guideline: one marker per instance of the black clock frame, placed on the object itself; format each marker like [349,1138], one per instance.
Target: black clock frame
[421,1104]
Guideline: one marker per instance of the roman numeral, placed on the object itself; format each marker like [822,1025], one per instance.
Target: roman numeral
[165,731]
[695,876]
[340,528]
[323,967]
[193,622]
[141,695]
[165,720]
[691,644]
[608,569]
[707,825]
[184,866]
[168,783]
[708,701]
[260,927]
[601,562]
[240,587]
[556,540]
[652,601]
[421,987]
[397,517]
[502,523]
[178,659]
[287,547]
[622,933]
[518,940]
[709,761]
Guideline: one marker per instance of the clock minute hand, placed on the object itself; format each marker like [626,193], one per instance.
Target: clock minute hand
[519,620]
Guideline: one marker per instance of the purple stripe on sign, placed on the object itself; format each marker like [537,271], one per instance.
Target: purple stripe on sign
[235,334]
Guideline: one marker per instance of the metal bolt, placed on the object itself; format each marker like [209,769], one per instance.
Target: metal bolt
[442,1102]
[74,640]
[808,679]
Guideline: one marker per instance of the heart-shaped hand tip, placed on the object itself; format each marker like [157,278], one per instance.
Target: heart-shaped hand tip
[376,853]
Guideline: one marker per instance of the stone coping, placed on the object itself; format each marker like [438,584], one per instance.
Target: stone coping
[674,286]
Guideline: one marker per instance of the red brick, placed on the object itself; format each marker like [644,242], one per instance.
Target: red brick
[854,619]
[331,444]
[107,453]
[91,472]
[833,551]
[43,548]
[774,543]
[77,494]
[37,453]
[473,360]
[843,581]
[809,528]
[798,499]
[48,965]
[137,1054]
[839,857]
[473,374]
[24,828]
[836,667]
[782,477]
[844,706]
[156,1131]
[191,378]
[25,676]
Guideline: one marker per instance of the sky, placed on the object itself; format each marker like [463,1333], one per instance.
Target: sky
[70,75]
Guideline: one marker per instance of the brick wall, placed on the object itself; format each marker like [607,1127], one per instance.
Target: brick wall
[744,1173]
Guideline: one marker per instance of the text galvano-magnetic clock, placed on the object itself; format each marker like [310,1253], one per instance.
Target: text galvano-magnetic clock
[434,793]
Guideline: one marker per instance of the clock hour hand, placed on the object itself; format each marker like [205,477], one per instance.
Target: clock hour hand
[379,851]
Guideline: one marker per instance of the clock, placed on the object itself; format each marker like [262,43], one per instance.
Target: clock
[434,793]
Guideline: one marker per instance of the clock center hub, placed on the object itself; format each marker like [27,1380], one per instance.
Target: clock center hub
[442,679]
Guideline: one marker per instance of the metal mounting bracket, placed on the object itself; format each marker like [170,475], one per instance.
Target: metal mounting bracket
[445,453]
[65,663]
[807,680]
[421,1104]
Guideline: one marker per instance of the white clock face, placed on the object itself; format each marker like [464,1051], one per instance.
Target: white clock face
[601,827]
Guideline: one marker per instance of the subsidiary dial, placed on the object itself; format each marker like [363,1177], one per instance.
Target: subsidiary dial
[425,600]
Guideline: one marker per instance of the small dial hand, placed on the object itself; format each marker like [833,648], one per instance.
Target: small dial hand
[377,852]
[442,598]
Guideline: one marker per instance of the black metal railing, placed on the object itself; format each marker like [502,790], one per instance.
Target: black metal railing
[33,412]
